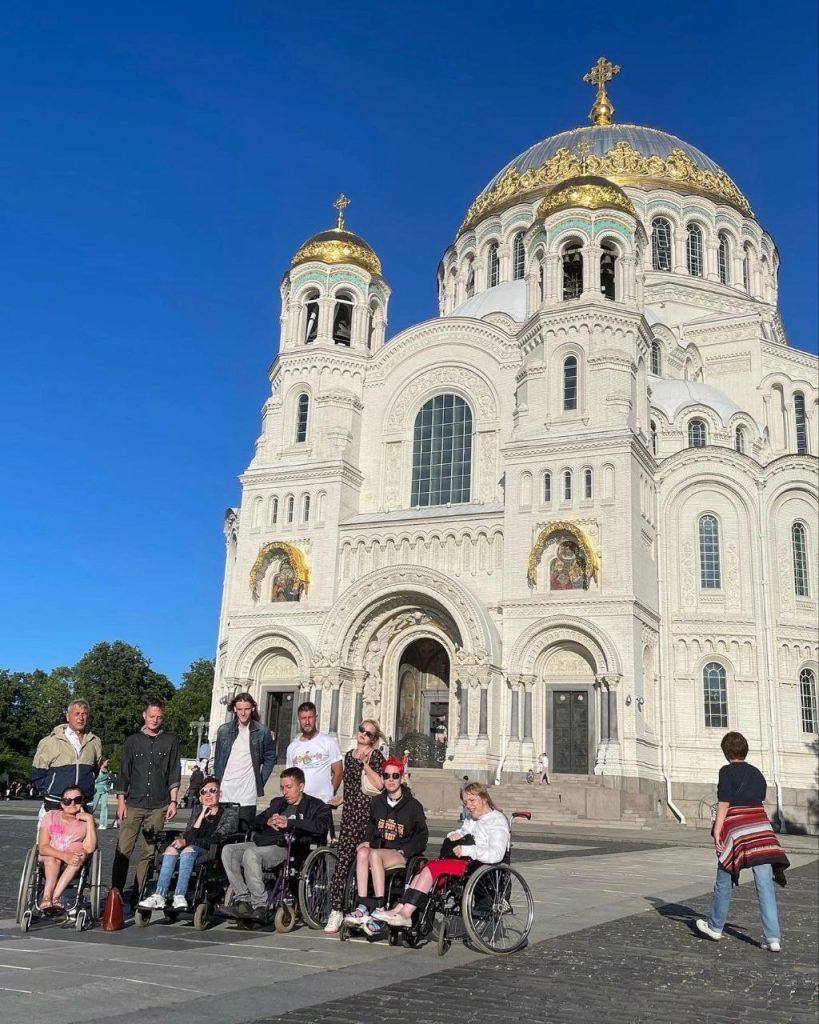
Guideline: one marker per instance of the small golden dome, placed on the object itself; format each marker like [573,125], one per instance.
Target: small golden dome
[338,245]
[588,191]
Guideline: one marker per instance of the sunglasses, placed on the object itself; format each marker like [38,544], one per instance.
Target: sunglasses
[209,789]
[391,775]
[366,732]
[67,801]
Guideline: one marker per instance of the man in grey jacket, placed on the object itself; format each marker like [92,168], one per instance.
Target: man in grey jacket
[245,757]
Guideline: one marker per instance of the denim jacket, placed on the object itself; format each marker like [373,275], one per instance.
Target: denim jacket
[262,751]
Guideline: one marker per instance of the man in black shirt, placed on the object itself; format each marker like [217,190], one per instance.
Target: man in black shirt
[149,777]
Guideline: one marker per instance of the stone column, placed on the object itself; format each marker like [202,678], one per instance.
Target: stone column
[527,711]
[514,721]
[335,698]
[463,712]
[553,278]
[483,719]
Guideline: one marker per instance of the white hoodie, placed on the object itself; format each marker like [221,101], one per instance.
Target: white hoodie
[491,832]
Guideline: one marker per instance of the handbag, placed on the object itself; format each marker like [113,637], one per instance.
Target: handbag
[368,788]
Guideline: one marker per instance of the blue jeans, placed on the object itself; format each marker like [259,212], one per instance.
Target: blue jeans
[721,901]
[186,860]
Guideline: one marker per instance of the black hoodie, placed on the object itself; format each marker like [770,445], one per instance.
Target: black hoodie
[402,828]
[308,821]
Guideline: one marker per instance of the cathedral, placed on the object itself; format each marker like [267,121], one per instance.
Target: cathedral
[575,512]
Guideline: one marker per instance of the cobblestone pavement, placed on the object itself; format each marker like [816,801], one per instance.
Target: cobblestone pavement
[648,967]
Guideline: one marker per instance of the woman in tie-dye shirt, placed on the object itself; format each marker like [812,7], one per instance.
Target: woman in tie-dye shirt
[67,837]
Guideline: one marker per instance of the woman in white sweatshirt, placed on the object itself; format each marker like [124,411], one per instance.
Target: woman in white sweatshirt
[483,837]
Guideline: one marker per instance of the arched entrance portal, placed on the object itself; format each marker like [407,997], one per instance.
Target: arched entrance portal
[422,721]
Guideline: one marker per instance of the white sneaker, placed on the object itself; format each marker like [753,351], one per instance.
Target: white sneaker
[180,903]
[773,946]
[357,917]
[154,902]
[704,929]
[334,922]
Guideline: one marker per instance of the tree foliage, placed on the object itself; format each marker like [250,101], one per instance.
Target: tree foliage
[32,704]
[189,702]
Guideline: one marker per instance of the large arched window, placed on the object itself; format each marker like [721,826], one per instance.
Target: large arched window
[302,417]
[800,560]
[724,258]
[661,244]
[693,249]
[710,574]
[311,316]
[343,319]
[740,440]
[518,257]
[608,270]
[572,271]
[442,452]
[492,266]
[800,423]
[715,696]
[807,700]
[547,488]
[697,434]
[570,383]
[656,359]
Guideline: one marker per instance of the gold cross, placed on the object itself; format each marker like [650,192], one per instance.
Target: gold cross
[603,71]
[340,204]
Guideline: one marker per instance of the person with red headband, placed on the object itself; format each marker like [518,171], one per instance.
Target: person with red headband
[397,831]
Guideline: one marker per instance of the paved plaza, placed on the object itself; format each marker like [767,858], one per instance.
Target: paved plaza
[612,939]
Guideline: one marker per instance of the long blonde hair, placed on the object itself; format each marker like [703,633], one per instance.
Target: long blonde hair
[478,789]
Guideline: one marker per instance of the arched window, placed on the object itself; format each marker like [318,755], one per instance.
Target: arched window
[302,415]
[570,383]
[656,359]
[608,269]
[710,574]
[800,423]
[588,483]
[492,266]
[311,316]
[291,505]
[518,257]
[470,279]
[572,271]
[371,314]
[715,696]
[547,488]
[654,442]
[567,485]
[442,452]
[800,560]
[746,269]
[694,250]
[724,258]
[541,282]
[305,509]
[697,434]
[807,700]
[343,319]
[739,440]
[661,244]
[274,510]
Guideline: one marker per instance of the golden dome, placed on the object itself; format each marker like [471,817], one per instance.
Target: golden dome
[338,245]
[588,191]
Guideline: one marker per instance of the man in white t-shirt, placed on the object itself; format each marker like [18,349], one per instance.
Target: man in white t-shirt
[318,756]
[245,757]
[543,762]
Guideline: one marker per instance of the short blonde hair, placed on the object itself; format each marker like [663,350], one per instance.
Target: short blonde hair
[478,789]
[376,729]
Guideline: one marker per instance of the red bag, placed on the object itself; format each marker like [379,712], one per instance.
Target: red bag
[113,918]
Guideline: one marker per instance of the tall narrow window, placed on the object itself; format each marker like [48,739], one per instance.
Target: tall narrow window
[541,282]
[518,257]
[343,319]
[567,485]
[570,383]
[715,696]
[656,359]
[697,434]
[710,574]
[305,509]
[653,438]
[800,423]
[274,511]
[739,440]
[572,271]
[807,700]
[371,314]
[311,317]
[470,279]
[547,488]
[800,560]
[694,250]
[302,415]
[661,244]
[588,483]
[492,266]
[724,259]
[442,452]
[291,505]
[746,269]
[608,271]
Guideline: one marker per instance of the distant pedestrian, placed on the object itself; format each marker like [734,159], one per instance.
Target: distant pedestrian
[245,756]
[194,785]
[102,786]
[744,838]
[543,765]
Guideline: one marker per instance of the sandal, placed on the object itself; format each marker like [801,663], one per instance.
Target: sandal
[44,906]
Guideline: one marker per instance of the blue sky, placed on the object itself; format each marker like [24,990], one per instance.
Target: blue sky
[162,162]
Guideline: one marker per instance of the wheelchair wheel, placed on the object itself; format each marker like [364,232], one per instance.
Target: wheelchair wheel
[444,941]
[95,885]
[497,909]
[314,886]
[142,918]
[284,919]
[25,921]
[80,920]
[202,916]
[28,880]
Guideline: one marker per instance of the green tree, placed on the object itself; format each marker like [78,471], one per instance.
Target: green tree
[191,700]
[116,679]
[33,703]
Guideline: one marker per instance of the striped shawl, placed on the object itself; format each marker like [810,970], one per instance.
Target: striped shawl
[749,839]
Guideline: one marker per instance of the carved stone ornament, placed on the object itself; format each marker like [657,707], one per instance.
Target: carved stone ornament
[442,377]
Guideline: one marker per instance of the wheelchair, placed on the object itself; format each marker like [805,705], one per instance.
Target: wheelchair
[396,879]
[490,908]
[207,887]
[86,906]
